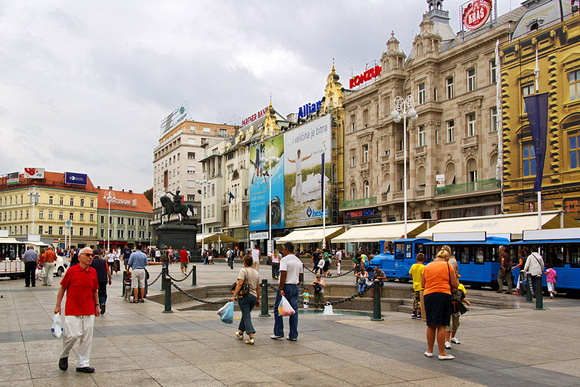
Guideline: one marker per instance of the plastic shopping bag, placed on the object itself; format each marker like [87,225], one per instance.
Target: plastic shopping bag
[56,329]
[285,309]
[226,313]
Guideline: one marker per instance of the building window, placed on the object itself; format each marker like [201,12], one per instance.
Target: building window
[353,193]
[365,153]
[353,123]
[40,230]
[61,215]
[492,71]
[120,234]
[223,132]
[472,171]
[82,217]
[529,160]
[207,130]
[471,125]
[50,200]
[526,91]
[102,219]
[574,83]
[436,137]
[450,174]
[91,232]
[435,95]
[72,201]
[493,116]
[421,94]
[91,217]
[60,230]
[367,190]
[470,79]
[421,178]
[353,161]
[449,87]
[50,215]
[120,220]
[71,216]
[366,118]
[574,151]
[422,136]
[61,201]
[450,131]
[102,233]
[191,155]
[92,203]
[40,214]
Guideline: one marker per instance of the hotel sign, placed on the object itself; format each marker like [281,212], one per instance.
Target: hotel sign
[476,14]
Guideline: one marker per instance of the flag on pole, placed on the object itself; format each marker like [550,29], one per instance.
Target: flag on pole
[231,197]
[537,107]
[322,182]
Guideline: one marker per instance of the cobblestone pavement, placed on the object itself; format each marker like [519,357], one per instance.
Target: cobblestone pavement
[138,345]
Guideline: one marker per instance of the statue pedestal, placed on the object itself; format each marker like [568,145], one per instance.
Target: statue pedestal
[178,235]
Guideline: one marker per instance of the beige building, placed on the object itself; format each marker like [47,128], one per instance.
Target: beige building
[177,161]
[452,148]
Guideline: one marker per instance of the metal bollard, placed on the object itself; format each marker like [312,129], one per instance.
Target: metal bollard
[163,275]
[194,276]
[529,288]
[377,301]
[264,300]
[167,295]
[521,290]
[539,294]
[123,287]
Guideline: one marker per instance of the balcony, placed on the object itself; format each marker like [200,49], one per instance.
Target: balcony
[347,204]
[481,185]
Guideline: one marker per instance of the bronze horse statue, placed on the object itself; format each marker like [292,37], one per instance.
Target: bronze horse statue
[173,208]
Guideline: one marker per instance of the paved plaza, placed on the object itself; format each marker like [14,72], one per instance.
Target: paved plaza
[138,345]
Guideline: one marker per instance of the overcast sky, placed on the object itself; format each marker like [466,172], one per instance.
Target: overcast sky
[84,85]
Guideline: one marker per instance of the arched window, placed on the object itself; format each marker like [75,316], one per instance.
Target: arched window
[353,192]
[421,178]
[493,167]
[472,171]
[450,174]
[366,189]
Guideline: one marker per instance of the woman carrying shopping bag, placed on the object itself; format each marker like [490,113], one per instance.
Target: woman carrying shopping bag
[247,302]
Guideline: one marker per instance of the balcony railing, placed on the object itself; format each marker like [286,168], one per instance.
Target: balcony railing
[345,204]
[481,185]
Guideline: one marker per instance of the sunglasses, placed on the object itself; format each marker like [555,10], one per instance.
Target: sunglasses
[88,254]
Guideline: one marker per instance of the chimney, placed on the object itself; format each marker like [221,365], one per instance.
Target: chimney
[110,188]
[98,187]
[130,191]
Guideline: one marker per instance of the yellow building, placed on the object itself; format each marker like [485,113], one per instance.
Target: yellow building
[556,42]
[57,205]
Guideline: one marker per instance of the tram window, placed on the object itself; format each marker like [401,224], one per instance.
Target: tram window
[399,248]
[574,255]
[464,255]
[409,251]
[555,256]
[418,248]
[479,255]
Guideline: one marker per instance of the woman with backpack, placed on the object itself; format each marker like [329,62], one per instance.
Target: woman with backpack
[319,286]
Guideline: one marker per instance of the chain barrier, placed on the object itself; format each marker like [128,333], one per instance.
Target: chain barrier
[155,280]
[198,299]
[334,276]
[360,294]
[181,280]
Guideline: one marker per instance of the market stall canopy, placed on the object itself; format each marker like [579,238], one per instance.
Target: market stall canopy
[311,235]
[502,225]
[9,240]
[216,238]
[376,232]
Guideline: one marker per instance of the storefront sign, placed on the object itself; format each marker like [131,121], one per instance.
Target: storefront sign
[174,118]
[255,236]
[309,108]
[111,199]
[254,116]
[359,214]
[12,178]
[476,14]
[75,178]
[440,180]
[34,173]
[366,76]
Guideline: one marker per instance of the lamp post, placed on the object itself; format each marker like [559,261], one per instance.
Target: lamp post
[34,199]
[203,183]
[323,198]
[270,160]
[109,199]
[404,108]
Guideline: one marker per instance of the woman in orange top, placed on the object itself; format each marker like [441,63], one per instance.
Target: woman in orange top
[438,280]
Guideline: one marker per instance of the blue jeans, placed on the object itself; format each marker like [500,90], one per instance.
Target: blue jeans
[246,304]
[291,294]
[102,293]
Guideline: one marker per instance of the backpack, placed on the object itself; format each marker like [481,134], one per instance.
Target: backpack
[317,287]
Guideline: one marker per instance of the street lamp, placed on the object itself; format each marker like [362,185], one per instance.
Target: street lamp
[34,199]
[269,160]
[404,108]
[109,199]
[203,182]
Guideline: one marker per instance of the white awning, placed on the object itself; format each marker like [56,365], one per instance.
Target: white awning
[9,240]
[216,238]
[513,224]
[376,232]
[311,235]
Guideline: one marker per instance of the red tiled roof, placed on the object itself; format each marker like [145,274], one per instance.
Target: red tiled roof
[51,180]
[124,201]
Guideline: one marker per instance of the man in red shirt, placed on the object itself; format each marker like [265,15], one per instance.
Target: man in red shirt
[183,258]
[49,259]
[82,305]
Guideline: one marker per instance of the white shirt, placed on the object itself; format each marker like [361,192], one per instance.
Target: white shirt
[111,257]
[534,264]
[256,254]
[293,268]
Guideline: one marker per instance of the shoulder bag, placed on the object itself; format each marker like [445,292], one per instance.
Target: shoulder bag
[245,287]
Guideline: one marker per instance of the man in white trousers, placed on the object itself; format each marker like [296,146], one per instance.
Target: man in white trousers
[82,305]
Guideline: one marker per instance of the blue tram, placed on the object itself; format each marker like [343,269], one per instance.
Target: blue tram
[561,249]
[399,257]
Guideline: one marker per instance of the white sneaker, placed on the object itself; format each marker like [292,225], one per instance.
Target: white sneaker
[455,341]
[446,357]
[447,345]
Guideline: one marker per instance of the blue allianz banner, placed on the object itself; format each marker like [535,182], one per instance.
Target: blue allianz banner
[75,178]
[537,107]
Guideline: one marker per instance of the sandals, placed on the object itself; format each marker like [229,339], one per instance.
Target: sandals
[250,341]
[239,335]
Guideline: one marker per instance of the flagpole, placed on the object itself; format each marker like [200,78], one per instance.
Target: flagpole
[499,164]
[537,75]
[323,199]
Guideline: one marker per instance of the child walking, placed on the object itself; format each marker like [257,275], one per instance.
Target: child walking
[416,272]
[451,330]
[306,298]
[552,278]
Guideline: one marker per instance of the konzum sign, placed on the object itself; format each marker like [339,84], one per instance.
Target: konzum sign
[476,14]
[366,76]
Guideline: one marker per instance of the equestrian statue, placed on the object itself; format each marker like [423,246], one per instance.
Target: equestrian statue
[175,206]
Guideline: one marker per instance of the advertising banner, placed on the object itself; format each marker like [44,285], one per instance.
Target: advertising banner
[303,148]
[34,173]
[75,178]
[12,178]
[266,158]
